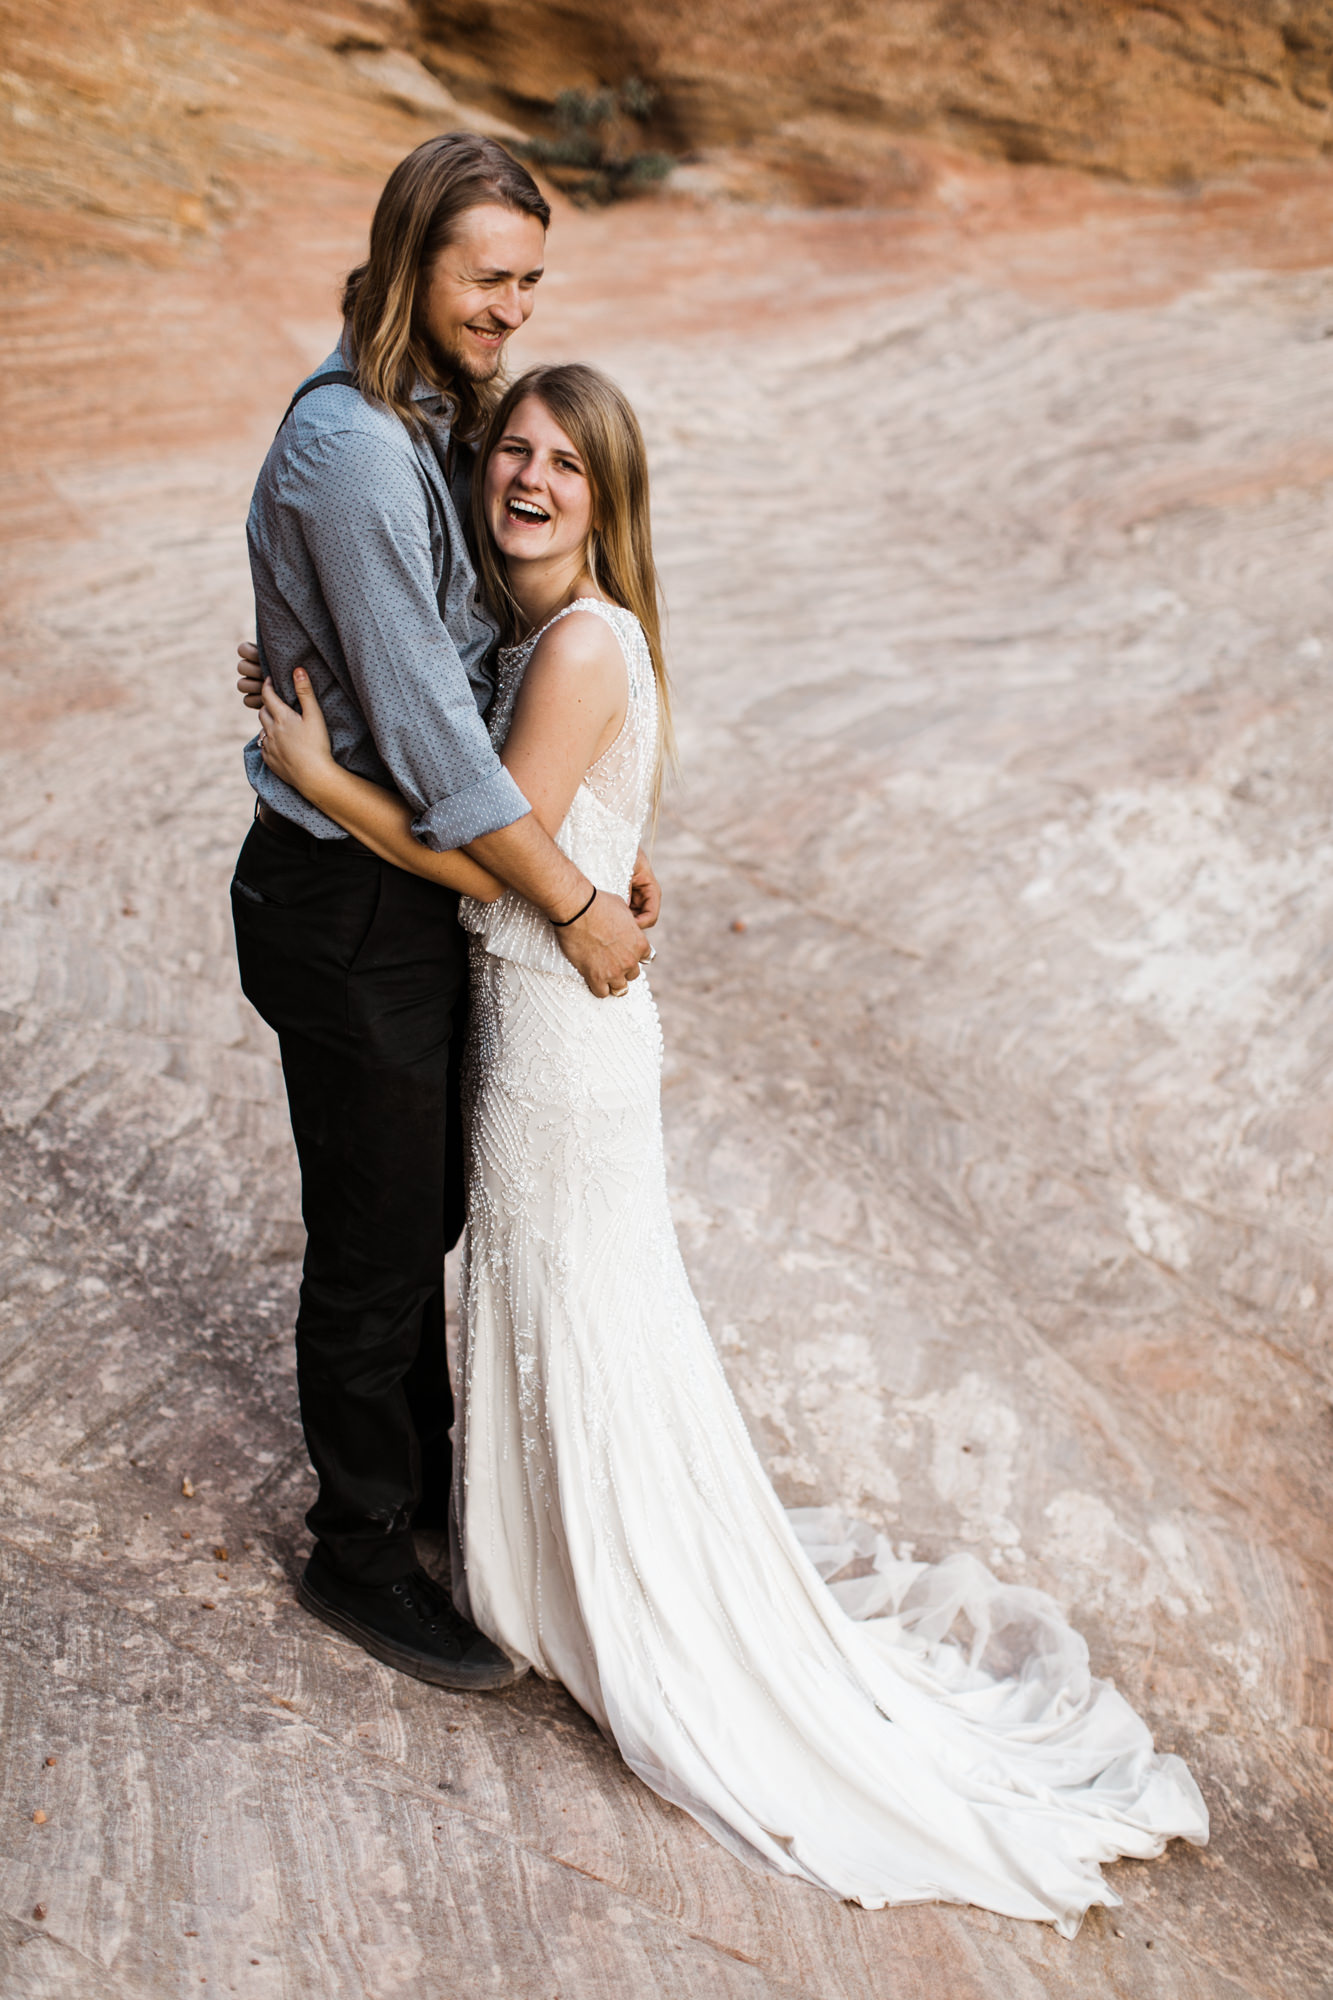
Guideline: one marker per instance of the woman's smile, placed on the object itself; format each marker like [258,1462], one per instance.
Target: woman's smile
[538,501]
[526,512]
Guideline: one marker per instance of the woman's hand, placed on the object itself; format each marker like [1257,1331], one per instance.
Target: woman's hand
[250,674]
[294,743]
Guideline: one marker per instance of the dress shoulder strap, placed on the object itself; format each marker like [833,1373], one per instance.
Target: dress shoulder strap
[594,604]
[622,622]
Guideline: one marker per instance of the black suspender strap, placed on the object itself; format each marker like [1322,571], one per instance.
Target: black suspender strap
[343,375]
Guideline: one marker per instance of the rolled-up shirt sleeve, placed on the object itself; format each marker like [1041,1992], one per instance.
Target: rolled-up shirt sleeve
[366,523]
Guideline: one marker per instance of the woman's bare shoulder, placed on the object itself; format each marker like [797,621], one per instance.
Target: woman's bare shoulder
[579,645]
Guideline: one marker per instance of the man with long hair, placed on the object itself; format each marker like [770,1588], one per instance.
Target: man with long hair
[363,577]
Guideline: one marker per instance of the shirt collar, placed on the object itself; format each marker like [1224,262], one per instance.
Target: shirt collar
[435,405]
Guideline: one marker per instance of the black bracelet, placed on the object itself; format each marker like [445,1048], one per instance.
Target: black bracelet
[563,923]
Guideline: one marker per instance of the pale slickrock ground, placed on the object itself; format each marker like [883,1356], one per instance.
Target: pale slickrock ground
[997,548]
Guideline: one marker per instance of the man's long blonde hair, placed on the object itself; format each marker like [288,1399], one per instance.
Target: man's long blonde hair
[390,348]
[598,421]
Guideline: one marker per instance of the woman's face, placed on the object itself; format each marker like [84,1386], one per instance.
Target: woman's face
[538,500]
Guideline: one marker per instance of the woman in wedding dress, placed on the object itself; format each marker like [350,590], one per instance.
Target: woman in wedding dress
[920,1733]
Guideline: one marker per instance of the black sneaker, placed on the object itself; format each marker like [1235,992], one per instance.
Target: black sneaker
[411,1625]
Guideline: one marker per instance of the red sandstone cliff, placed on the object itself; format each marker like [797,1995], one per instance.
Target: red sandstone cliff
[138,126]
[839,94]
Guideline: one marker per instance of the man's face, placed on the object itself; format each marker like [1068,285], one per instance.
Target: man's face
[482,287]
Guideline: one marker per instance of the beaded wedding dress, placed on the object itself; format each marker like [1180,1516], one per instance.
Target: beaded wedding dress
[916,1733]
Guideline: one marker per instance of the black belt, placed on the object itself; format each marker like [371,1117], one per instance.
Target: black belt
[287,829]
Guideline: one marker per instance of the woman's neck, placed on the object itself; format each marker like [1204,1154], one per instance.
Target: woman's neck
[539,589]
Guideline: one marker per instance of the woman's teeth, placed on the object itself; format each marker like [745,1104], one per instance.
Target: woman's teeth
[523,510]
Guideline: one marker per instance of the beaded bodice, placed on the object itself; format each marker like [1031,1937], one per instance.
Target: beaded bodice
[605,822]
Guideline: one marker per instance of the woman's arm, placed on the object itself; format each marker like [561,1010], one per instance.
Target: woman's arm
[295,745]
[645,893]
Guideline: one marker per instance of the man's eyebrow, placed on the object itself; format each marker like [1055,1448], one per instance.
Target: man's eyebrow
[497,277]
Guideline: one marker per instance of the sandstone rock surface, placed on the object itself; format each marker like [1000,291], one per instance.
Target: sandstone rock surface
[994,531]
[852,101]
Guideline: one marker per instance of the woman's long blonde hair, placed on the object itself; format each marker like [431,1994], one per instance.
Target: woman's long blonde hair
[598,421]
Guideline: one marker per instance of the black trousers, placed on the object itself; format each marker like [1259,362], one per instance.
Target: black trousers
[362,971]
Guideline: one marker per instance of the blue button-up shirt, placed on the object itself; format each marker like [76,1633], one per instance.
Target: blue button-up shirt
[362,576]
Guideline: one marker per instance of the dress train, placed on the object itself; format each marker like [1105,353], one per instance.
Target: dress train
[916,1733]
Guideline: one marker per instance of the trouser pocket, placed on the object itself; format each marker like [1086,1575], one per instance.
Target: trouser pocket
[300,918]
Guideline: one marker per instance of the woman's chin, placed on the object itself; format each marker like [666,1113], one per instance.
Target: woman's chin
[516,546]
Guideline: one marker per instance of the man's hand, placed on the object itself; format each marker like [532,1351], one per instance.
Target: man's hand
[645,893]
[250,675]
[605,945]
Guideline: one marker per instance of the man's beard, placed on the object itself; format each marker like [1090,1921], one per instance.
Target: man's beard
[449,363]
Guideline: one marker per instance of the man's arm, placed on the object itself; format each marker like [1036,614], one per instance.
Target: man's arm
[295,746]
[645,897]
[366,527]
[362,510]
[605,945]
[598,944]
